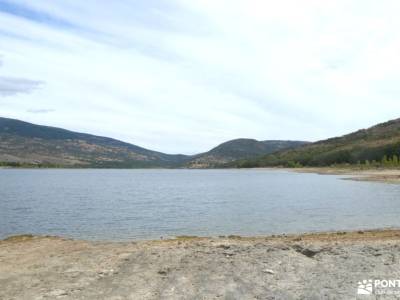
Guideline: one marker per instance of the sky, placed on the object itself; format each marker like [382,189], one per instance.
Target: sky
[183,76]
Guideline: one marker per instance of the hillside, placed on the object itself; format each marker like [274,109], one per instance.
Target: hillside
[26,144]
[376,145]
[239,149]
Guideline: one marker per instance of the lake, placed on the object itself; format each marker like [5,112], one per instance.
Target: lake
[149,204]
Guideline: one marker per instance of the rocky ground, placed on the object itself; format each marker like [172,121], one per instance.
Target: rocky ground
[313,266]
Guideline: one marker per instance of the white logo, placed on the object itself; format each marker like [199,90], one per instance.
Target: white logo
[364,287]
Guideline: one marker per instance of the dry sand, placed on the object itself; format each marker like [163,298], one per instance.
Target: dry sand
[314,266]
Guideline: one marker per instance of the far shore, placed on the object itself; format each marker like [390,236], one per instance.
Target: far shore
[354,173]
[379,175]
[306,266]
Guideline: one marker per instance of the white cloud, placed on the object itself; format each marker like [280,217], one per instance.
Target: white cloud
[183,76]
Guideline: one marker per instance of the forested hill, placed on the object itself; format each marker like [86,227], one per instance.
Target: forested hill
[23,143]
[377,145]
[240,149]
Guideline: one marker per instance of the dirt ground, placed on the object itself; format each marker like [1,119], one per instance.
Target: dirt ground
[312,266]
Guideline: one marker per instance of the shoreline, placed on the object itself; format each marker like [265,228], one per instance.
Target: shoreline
[310,265]
[375,175]
[287,237]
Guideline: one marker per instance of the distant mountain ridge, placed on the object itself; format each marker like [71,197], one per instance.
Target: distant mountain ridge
[374,145]
[240,149]
[23,143]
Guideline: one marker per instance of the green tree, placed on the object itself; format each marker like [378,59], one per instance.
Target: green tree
[385,160]
[294,164]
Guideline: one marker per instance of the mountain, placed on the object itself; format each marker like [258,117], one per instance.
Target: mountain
[372,145]
[239,149]
[26,144]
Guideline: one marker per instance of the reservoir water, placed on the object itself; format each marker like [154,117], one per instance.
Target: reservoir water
[149,204]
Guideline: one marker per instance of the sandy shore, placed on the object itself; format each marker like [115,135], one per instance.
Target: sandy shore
[315,266]
[380,175]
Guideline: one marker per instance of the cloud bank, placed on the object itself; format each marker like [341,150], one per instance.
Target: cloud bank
[183,76]
[11,86]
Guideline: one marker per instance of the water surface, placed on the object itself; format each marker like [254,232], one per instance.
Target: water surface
[147,204]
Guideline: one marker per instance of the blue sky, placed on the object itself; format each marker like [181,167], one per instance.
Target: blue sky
[183,76]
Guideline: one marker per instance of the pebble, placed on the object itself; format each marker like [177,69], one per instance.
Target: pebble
[57,293]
